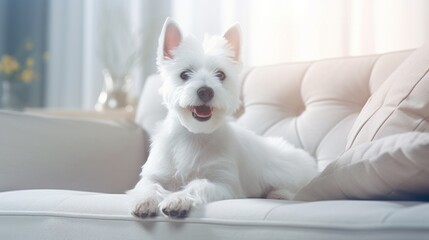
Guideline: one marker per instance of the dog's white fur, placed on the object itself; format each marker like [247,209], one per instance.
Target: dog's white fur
[193,162]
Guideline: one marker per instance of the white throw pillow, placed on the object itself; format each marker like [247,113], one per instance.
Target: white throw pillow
[401,104]
[394,167]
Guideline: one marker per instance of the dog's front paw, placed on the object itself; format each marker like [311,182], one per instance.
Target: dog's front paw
[144,208]
[176,206]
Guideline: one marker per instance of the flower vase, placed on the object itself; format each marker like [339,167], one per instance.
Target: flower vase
[8,99]
[115,94]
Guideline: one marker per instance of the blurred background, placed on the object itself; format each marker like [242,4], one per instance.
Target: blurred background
[66,54]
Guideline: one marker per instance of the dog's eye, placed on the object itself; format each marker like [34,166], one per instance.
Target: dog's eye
[221,75]
[185,75]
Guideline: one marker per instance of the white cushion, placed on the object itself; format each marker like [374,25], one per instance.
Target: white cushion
[401,104]
[59,214]
[53,152]
[394,167]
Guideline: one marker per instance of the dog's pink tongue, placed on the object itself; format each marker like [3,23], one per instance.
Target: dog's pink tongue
[202,111]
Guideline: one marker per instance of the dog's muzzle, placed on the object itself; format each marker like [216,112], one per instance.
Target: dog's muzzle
[203,113]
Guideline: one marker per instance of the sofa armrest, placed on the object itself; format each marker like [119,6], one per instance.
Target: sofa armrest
[62,153]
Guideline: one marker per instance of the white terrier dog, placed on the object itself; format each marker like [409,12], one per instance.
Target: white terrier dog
[197,156]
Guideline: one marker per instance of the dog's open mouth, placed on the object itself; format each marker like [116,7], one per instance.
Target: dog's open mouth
[201,113]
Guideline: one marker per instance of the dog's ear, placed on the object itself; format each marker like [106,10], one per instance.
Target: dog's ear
[170,38]
[232,36]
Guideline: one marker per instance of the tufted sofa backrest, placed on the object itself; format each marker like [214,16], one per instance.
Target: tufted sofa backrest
[311,104]
[314,104]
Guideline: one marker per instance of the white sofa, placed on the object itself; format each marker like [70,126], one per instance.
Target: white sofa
[65,178]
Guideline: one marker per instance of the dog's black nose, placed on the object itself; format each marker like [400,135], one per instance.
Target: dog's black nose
[205,94]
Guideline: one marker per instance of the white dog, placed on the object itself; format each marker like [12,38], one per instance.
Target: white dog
[197,156]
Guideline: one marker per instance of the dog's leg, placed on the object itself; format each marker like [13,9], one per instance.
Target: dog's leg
[197,192]
[148,195]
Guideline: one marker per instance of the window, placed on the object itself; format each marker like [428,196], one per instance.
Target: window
[23,52]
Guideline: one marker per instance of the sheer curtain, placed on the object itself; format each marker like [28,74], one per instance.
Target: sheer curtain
[274,31]
[291,30]
[75,70]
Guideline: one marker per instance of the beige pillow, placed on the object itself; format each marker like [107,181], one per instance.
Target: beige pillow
[401,104]
[394,167]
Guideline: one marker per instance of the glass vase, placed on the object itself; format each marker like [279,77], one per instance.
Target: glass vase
[8,100]
[115,94]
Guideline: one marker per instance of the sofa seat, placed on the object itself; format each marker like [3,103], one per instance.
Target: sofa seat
[65,214]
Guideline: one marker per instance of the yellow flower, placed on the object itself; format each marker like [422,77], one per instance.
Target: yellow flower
[8,64]
[29,62]
[27,75]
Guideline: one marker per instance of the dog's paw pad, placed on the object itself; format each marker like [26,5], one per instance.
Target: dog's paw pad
[174,213]
[141,214]
[176,207]
[145,208]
